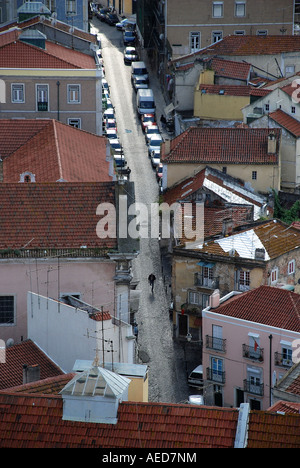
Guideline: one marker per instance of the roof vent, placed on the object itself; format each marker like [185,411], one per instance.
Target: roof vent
[94,396]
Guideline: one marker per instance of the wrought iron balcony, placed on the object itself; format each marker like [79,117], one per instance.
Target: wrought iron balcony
[218,344]
[42,106]
[250,352]
[254,388]
[204,282]
[282,360]
[215,375]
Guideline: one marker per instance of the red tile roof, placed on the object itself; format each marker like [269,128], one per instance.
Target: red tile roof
[266,305]
[286,407]
[289,123]
[231,69]
[227,90]
[222,145]
[18,54]
[268,430]
[252,45]
[35,421]
[53,215]
[52,150]
[26,352]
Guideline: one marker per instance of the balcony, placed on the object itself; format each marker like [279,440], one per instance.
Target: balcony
[207,283]
[217,344]
[42,106]
[250,352]
[254,388]
[215,375]
[282,360]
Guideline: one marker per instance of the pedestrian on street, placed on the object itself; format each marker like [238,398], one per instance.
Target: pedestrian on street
[151,280]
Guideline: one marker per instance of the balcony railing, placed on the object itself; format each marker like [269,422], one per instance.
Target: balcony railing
[42,106]
[282,360]
[250,352]
[215,375]
[204,282]
[255,388]
[218,344]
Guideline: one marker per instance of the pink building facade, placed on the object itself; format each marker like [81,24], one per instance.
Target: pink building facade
[243,358]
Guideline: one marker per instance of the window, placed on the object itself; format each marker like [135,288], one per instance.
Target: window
[267,107]
[217,337]
[224,170]
[293,110]
[17,93]
[240,32]
[290,70]
[194,298]
[240,9]
[217,36]
[287,356]
[71,7]
[244,280]
[74,123]
[217,369]
[194,41]
[274,276]
[292,267]
[74,96]
[42,94]
[218,8]
[262,32]
[7,310]
[254,175]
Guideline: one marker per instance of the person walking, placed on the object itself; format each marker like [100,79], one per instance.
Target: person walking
[151,280]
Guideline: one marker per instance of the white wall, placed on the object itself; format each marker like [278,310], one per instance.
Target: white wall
[65,333]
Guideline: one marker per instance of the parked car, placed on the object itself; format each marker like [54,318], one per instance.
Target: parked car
[129,37]
[116,146]
[125,23]
[120,161]
[109,114]
[155,158]
[139,82]
[105,84]
[109,124]
[150,131]
[101,14]
[111,133]
[154,143]
[111,19]
[130,55]
[159,172]
[147,119]
[195,379]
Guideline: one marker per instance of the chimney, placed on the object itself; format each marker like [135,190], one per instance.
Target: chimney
[227,227]
[214,300]
[272,143]
[31,373]
[167,146]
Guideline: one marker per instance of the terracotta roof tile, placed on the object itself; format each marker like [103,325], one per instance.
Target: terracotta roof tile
[53,215]
[26,352]
[222,145]
[231,69]
[31,420]
[52,151]
[286,407]
[18,54]
[289,123]
[267,305]
[252,45]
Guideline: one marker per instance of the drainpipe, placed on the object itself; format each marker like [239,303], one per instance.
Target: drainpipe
[58,84]
[270,369]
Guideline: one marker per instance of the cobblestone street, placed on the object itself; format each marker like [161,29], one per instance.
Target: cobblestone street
[165,358]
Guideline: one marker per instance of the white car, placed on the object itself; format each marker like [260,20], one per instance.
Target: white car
[116,146]
[154,143]
[130,55]
[150,132]
[125,22]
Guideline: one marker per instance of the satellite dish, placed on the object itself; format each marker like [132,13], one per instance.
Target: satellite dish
[10,342]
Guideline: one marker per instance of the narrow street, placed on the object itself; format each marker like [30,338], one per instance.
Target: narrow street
[165,358]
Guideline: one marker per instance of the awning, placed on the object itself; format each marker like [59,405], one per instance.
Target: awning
[206,265]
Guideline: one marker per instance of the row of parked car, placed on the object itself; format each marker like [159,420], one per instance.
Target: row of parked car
[126,25]
[109,128]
